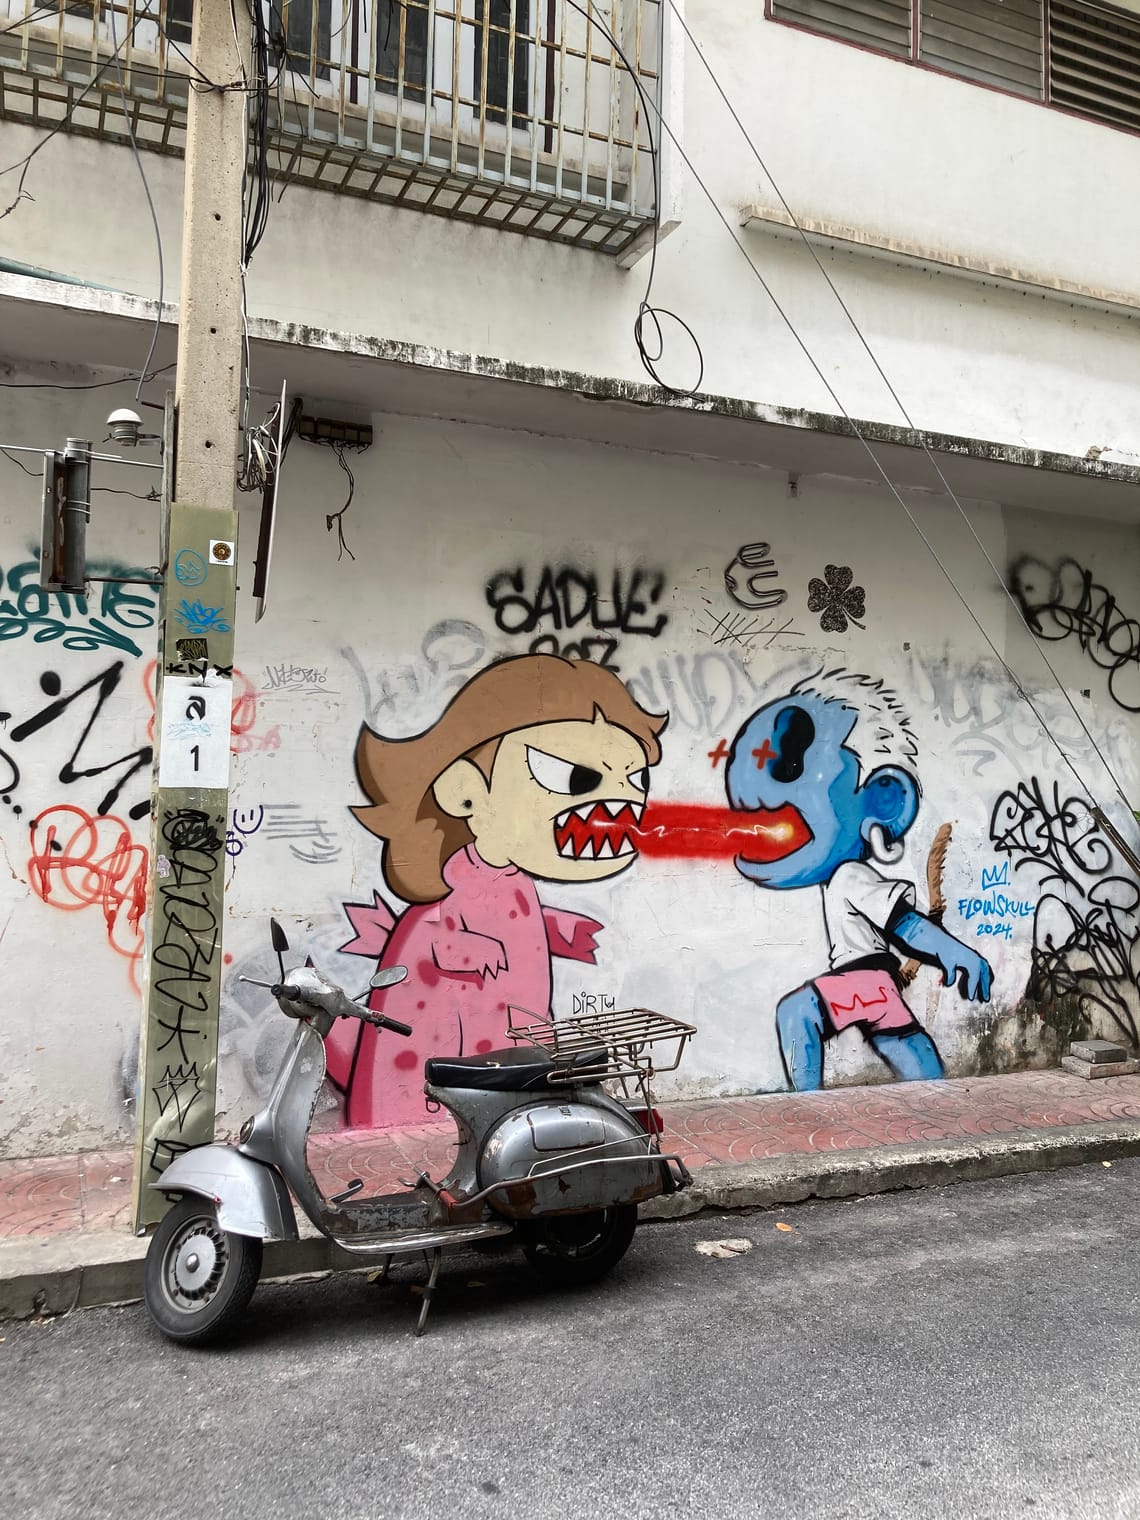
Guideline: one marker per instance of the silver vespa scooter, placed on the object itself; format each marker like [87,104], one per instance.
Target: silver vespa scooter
[546,1154]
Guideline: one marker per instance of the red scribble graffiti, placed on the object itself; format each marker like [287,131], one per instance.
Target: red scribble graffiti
[704,831]
[243,714]
[78,861]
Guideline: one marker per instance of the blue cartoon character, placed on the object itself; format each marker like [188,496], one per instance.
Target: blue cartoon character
[837,756]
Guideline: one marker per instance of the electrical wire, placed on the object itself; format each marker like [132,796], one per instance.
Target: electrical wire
[19,463]
[338,449]
[203,84]
[910,423]
[258,201]
[149,198]
[93,385]
[151,495]
[338,446]
[37,13]
[25,163]
[260,458]
[646,312]
[281,47]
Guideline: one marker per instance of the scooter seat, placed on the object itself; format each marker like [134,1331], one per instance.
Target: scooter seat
[519,1069]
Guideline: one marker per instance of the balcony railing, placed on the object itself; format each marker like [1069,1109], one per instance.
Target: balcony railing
[518,114]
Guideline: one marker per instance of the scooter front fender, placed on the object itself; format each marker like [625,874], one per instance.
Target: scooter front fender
[250,1197]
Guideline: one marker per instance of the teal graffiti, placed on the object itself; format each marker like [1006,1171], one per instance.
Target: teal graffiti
[198,619]
[78,622]
[998,906]
[189,568]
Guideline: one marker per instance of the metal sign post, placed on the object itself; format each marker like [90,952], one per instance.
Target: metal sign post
[179,1040]
[178,1054]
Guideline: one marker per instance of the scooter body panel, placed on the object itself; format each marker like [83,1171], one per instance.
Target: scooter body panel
[250,1197]
[573,1152]
[278,1135]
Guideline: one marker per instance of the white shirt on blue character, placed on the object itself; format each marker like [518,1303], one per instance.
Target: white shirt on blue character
[858,904]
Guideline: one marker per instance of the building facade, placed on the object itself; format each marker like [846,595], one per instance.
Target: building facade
[872,558]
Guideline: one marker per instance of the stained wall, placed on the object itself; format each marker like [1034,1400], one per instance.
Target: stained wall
[464,545]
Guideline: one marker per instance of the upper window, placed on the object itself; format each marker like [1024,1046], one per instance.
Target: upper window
[1082,57]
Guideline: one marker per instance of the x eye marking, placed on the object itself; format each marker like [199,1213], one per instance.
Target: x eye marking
[763,754]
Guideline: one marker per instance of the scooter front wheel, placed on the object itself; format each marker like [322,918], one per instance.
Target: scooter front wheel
[198,1278]
[571,1249]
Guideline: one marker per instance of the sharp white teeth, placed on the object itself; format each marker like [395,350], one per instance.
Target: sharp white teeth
[587,852]
[627,848]
[584,812]
[567,849]
[613,808]
[638,810]
[606,850]
[564,818]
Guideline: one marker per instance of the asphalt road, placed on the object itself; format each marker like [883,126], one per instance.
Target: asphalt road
[971,1351]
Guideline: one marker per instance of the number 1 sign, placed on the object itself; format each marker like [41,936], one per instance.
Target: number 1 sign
[195,749]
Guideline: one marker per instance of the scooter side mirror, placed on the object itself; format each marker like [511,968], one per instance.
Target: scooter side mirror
[278,937]
[388,976]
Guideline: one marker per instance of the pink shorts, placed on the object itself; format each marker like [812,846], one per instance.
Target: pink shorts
[864,997]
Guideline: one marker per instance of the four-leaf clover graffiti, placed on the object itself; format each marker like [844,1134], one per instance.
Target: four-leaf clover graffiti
[838,600]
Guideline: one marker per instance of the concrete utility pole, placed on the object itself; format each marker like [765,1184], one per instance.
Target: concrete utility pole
[179,1044]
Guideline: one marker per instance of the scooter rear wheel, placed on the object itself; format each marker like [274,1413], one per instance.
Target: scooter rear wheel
[198,1278]
[571,1249]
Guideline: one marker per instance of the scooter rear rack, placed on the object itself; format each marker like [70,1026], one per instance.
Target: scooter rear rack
[638,1042]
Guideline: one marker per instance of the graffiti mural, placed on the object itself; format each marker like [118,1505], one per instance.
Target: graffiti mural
[837,599]
[70,779]
[992,910]
[311,840]
[1085,959]
[1062,601]
[110,620]
[596,612]
[538,770]
[741,629]
[831,767]
[753,563]
[991,728]
[79,861]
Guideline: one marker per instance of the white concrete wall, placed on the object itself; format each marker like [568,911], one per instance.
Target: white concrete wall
[851,137]
[388,637]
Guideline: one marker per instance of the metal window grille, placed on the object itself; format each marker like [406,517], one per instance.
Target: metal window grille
[884,25]
[1094,62]
[511,113]
[1079,56]
[998,42]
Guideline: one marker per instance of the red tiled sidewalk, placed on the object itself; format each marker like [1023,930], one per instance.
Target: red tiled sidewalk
[65,1195]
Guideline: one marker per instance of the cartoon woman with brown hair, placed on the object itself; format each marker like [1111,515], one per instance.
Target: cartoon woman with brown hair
[538,769]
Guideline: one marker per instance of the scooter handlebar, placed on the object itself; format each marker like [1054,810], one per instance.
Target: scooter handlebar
[305,989]
[382,1021]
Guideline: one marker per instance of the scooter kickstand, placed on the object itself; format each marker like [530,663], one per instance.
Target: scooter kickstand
[436,1258]
[381,1277]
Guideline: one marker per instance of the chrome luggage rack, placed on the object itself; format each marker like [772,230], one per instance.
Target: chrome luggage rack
[638,1043]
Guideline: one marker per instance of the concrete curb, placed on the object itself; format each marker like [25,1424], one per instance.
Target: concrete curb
[887,1168]
[54,1275]
[47,1277]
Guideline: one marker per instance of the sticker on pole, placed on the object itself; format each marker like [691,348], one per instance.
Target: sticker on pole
[195,745]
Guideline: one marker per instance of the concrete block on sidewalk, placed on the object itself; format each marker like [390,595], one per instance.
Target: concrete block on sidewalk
[1090,1070]
[1098,1052]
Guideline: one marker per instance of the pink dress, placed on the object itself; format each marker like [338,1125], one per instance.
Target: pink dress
[484,947]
